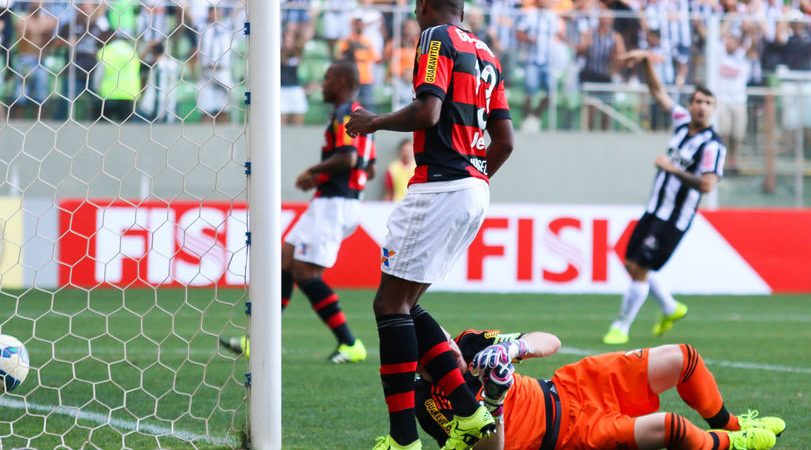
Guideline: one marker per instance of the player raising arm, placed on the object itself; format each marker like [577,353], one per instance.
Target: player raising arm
[459,95]
[607,401]
[692,167]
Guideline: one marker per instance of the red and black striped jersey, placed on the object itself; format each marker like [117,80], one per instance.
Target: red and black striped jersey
[349,184]
[454,65]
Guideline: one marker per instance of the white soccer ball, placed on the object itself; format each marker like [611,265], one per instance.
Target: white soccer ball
[14,363]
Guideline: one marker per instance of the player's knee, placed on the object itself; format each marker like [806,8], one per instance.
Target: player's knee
[304,271]
[393,297]
[636,271]
[671,357]
[691,360]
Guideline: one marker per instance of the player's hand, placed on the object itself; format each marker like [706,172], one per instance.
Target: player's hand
[496,382]
[634,57]
[360,122]
[663,162]
[499,354]
[306,180]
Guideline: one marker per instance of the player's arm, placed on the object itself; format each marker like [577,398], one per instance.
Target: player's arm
[515,347]
[422,113]
[370,170]
[500,129]
[541,344]
[712,163]
[501,144]
[337,163]
[704,183]
[655,86]
[432,77]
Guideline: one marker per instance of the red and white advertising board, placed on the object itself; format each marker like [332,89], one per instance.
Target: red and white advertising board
[520,248]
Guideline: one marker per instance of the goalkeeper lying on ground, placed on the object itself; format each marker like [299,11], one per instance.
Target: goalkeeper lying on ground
[603,402]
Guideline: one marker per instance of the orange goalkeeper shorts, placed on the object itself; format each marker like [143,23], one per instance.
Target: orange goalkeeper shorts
[601,395]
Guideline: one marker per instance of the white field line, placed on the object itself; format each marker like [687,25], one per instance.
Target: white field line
[124,425]
[713,362]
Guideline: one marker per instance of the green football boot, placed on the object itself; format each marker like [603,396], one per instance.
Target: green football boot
[465,432]
[665,323]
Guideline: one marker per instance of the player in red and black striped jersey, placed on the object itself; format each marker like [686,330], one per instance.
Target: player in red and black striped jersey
[456,67]
[312,245]
[345,183]
[459,91]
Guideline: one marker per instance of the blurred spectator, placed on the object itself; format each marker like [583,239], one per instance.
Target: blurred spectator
[580,20]
[772,47]
[797,49]
[123,16]
[627,22]
[662,60]
[119,78]
[152,24]
[401,64]
[359,49]
[6,31]
[733,74]
[536,29]
[35,30]
[83,39]
[399,172]
[474,19]
[293,98]
[374,28]
[602,49]
[296,17]
[336,21]
[197,12]
[214,59]
[503,14]
[672,21]
[158,103]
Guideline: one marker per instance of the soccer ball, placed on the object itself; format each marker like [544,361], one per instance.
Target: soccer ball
[14,362]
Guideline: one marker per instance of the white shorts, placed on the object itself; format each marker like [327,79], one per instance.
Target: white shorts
[732,120]
[318,234]
[429,231]
[293,100]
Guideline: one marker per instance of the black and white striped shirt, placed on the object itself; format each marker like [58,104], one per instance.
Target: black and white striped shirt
[701,153]
[599,55]
[541,25]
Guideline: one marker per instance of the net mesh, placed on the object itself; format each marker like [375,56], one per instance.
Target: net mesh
[124,218]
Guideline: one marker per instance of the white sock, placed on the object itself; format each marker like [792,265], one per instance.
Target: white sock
[631,304]
[666,301]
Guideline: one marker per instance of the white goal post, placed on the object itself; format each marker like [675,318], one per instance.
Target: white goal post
[265,251]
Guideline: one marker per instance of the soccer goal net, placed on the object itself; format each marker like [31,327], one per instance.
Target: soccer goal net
[123,208]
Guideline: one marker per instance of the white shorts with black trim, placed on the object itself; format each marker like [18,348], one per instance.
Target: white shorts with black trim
[318,234]
[429,230]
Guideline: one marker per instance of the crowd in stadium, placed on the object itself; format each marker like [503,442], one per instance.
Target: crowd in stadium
[110,58]
[558,44]
[189,62]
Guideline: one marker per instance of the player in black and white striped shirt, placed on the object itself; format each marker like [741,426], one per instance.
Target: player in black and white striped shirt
[692,166]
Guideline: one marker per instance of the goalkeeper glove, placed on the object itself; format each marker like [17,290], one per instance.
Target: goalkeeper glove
[504,352]
[496,382]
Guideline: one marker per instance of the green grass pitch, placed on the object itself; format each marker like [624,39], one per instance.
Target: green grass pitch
[135,353]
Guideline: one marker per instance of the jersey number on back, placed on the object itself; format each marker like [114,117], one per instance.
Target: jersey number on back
[486,75]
